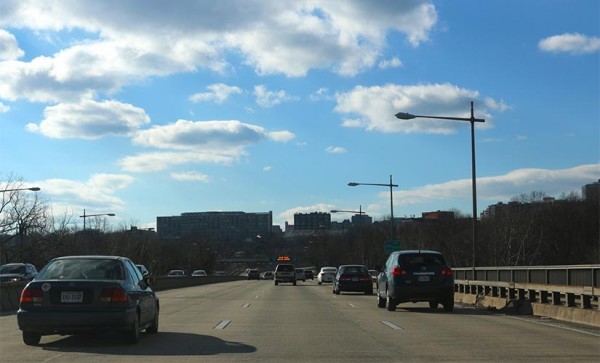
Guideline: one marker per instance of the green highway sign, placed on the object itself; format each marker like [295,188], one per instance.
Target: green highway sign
[391,246]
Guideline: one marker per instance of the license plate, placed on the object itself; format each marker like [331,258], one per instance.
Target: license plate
[355,279]
[423,278]
[71,297]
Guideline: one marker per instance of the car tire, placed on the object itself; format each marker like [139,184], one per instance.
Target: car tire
[369,292]
[337,291]
[276,282]
[380,302]
[391,304]
[433,305]
[294,283]
[133,334]
[153,329]
[449,305]
[31,338]
[319,283]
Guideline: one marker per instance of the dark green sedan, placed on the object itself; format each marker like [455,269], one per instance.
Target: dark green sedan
[81,294]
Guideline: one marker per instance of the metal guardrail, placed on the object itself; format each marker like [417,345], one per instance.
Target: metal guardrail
[567,275]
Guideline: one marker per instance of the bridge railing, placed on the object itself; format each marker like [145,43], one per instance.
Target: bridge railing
[569,292]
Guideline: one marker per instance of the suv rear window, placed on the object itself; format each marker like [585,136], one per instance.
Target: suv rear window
[285,267]
[418,260]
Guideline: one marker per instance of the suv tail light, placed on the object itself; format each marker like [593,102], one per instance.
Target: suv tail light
[113,294]
[447,271]
[31,295]
[397,271]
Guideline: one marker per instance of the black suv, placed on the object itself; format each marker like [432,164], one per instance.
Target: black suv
[285,273]
[416,275]
[12,272]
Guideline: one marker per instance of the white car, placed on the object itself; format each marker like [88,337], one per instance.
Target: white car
[176,273]
[300,275]
[199,273]
[327,274]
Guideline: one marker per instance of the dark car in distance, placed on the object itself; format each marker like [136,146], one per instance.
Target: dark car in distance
[253,274]
[354,278]
[82,294]
[12,272]
[415,275]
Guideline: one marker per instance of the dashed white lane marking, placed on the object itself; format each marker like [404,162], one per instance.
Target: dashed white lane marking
[391,325]
[246,305]
[351,305]
[222,325]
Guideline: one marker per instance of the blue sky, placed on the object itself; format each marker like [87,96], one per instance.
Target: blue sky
[155,108]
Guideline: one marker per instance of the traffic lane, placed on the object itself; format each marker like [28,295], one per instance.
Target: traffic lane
[308,323]
[467,334]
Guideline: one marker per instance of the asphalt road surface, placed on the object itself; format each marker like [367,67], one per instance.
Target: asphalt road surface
[255,321]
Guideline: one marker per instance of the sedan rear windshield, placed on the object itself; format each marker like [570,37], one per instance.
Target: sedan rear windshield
[82,269]
[285,267]
[355,270]
[12,269]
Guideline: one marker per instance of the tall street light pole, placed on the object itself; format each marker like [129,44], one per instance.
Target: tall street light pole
[390,185]
[472,120]
[84,216]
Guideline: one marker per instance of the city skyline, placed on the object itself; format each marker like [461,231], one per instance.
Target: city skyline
[147,109]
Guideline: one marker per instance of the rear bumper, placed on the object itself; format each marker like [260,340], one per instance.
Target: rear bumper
[359,286]
[69,322]
[422,293]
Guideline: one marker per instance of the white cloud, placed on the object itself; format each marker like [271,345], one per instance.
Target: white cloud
[4,108]
[376,106]
[90,120]
[98,193]
[189,176]
[219,142]
[336,150]
[9,48]
[390,63]
[281,136]
[573,43]
[219,93]
[266,98]
[125,44]
[503,187]
[320,94]
[267,168]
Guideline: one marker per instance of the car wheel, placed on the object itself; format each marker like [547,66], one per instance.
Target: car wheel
[294,283]
[337,291]
[380,302]
[449,304]
[433,304]
[369,292]
[319,282]
[153,329]
[133,334]
[276,282]
[391,304]
[31,338]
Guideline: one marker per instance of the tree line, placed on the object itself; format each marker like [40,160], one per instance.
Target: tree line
[529,233]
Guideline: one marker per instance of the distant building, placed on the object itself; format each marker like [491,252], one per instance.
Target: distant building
[438,215]
[312,221]
[222,226]
[591,191]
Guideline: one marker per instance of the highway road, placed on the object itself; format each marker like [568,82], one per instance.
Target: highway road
[255,321]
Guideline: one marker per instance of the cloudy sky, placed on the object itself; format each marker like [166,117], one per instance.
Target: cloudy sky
[155,108]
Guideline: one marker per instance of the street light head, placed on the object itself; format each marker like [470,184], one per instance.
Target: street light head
[405,116]
[111,214]
[34,189]
[352,184]
[333,211]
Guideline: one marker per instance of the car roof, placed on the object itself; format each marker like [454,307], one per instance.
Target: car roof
[404,252]
[92,257]
[357,265]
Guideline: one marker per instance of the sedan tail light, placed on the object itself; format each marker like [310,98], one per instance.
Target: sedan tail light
[397,271]
[31,295]
[447,272]
[113,294]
